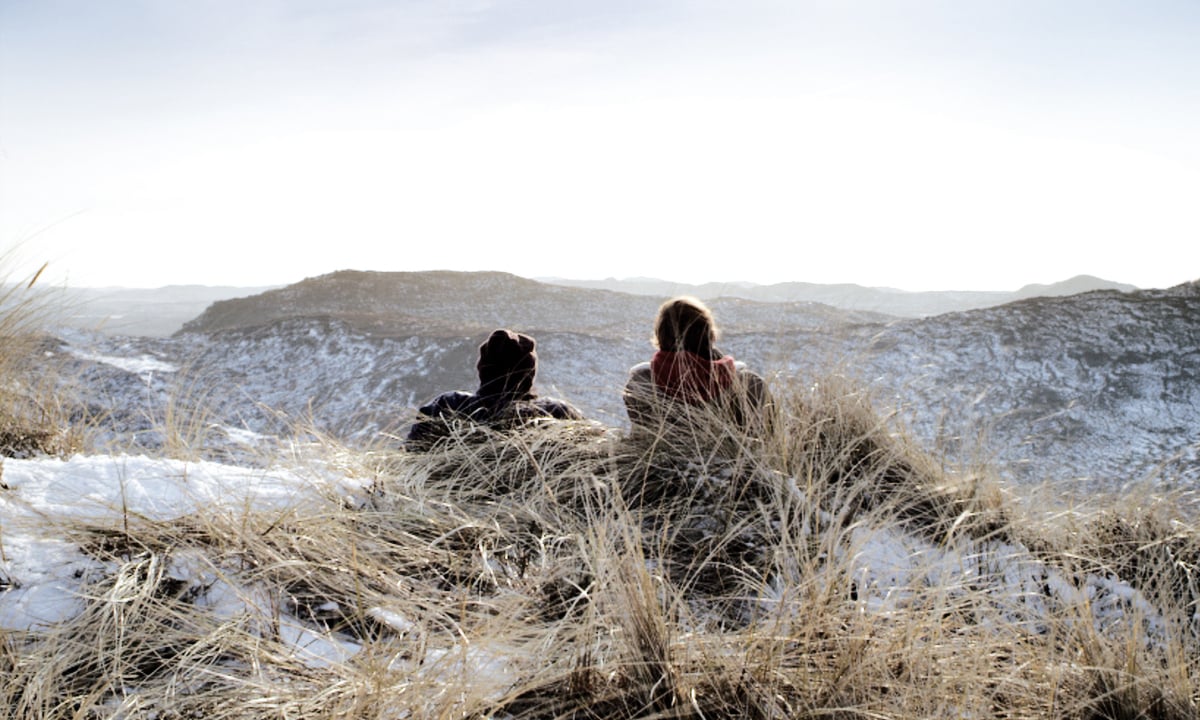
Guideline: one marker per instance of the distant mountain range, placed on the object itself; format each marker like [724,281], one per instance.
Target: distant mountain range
[160,312]
[889,301]
[1101,386]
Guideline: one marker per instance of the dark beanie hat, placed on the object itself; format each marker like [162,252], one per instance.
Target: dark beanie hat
[507,363]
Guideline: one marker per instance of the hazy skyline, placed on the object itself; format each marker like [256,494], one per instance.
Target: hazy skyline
[953,144]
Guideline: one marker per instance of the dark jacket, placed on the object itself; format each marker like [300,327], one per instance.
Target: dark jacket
[495,411]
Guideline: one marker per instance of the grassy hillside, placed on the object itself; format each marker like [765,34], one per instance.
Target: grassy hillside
[571,571]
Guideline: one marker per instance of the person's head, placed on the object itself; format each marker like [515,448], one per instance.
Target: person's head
[507,364]
[685,323]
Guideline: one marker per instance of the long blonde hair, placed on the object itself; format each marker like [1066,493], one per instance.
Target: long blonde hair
[685,323]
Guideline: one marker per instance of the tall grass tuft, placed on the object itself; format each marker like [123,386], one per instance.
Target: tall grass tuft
[829,568]
[32,414]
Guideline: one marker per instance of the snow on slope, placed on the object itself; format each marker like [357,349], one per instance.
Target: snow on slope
[1099,389]
[43,576]
[45,572]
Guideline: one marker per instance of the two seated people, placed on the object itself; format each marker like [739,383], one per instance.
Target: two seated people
[686,382]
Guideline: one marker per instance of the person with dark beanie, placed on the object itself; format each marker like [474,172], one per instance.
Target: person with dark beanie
[507,366]
[688,372]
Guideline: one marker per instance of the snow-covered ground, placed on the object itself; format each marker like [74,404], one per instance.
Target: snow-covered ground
[44,573]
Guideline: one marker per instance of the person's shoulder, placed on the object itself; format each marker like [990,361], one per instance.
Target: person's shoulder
[641,371]
[640,382]
[432,419]
[744,370]
[448,402]
[558,409]
[751,379]
[754,386]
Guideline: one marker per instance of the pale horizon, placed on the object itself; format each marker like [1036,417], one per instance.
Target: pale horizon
[61,283]
[941,146]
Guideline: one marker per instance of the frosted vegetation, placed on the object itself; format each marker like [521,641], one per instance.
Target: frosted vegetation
[831,569]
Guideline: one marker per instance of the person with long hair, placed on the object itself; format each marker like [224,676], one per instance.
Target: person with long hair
[688,372]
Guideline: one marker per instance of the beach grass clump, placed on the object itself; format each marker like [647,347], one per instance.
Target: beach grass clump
[33,415]
[825,568]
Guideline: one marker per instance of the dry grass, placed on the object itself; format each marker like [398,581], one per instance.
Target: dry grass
[33,418]
[569,571]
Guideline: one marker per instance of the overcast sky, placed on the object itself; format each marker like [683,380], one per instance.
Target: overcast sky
[928,144]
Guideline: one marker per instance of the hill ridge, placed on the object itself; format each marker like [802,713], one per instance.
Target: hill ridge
[390,303]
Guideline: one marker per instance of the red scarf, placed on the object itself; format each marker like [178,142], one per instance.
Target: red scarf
[691,378]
